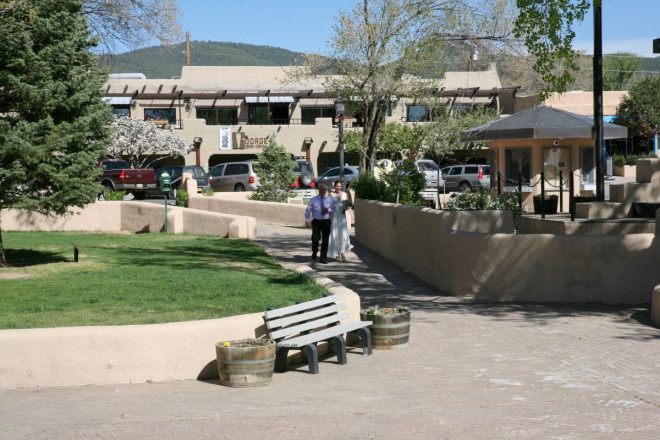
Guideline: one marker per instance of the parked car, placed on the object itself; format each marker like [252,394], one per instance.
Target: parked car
[176,173]
[429,169]
[304,172]
[461,177]
[117,175]
[234,176]
[329,177]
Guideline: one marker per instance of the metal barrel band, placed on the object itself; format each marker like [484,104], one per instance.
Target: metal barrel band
[263,370]
[402,335]
[259,361]
[403,324]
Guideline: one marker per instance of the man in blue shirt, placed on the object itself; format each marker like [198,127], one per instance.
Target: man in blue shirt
[318,214]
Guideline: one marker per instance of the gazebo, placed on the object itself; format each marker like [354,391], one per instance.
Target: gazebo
[542,139]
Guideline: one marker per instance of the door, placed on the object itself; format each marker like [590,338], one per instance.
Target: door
[215,175]
[587,169]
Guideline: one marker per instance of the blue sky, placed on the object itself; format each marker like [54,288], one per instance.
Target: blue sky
[306,25]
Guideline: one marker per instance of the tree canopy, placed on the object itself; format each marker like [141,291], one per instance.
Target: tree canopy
[619,69]
[382,48]
[139,142]
[641,108]
[53,123]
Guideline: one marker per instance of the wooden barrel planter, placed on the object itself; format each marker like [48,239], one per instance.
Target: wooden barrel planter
[388,331]
[246,362]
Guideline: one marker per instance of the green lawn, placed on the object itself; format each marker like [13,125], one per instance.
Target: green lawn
[138,279]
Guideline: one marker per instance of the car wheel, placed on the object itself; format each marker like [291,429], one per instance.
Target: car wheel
[239,188]
[139,195]
[107,188]
[172,194]
[464,186]
[306,179]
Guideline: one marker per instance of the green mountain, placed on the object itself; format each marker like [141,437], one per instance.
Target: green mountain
[166,61]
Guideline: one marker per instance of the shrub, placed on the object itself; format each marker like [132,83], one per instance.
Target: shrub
[367,186]
[547,196]
[208,193]
[115,195]
[479,200]
[182,198]
[620,160]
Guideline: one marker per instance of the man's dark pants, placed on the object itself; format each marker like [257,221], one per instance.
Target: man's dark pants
[320,231]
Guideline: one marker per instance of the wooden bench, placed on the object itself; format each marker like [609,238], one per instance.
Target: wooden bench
[302,326]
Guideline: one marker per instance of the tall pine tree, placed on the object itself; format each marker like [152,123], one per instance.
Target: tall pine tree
[53,123]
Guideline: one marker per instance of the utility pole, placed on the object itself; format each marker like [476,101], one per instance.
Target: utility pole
[598,102]
[188,47]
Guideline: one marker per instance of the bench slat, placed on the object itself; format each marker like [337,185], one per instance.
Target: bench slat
[324,334]
[276,313]
[287,321]
[288,331]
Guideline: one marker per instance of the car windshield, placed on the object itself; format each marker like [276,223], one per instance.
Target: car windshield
[427,166]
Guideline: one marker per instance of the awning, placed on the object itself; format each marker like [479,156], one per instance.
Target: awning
[119,100]
[271,99]
[541,123]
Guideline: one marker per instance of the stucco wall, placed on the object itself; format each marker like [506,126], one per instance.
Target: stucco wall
[71,356]
[471,254]
[271,212]
[134,217]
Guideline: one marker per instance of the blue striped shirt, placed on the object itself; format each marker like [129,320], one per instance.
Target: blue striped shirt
[314,208]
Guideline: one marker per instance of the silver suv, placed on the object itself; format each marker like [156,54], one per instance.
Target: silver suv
[234,176]
[429,169]
[461,177]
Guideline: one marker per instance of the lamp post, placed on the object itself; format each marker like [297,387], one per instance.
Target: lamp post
[340,110]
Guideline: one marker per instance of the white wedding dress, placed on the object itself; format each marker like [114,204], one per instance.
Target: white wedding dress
[340,242]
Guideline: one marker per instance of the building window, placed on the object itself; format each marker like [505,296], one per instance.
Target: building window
[518,162]
[587,166]
[258,114]
[416,113]
[556,160]
[121,111]
[309,114]
[166,115]
[218,116]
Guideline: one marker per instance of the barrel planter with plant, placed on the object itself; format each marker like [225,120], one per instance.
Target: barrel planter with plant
[246,362]
[390,328]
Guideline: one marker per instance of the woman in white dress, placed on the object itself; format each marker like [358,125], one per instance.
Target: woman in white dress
[339,243]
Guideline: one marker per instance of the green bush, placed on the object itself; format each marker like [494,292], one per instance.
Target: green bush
[115,195]
[182,198]
[479,200]
[620,160]
[208,193]
[547,196]
[367,186]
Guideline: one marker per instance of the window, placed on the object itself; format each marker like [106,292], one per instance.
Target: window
[455,171]
[216,171]
[472,169]
[166,115]
[233,169]
[309,114]
[587,166]
[416,113]
[121,112]
[518,163]
[556,160]
[258,114]
[218,116]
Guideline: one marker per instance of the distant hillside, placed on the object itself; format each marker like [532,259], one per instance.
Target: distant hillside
[166,61]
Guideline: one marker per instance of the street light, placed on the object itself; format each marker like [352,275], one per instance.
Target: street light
[340,110]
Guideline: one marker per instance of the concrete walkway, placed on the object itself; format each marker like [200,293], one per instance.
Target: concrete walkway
[472,371]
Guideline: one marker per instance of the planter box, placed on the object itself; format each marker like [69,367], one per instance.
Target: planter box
[626,171]
[388,331]
[246,362]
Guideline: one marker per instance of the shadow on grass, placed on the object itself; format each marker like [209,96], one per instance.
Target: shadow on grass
[29,257]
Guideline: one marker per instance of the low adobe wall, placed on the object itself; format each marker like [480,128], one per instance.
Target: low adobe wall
[71,356]
[271,212]
[134,217]
[474,254]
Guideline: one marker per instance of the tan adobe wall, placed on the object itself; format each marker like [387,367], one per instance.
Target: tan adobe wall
[134,217]
[457,253]
[270,212]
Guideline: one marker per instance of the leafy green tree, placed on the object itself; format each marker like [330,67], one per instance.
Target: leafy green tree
[399,140]
[381,49]
[641,108]
[53,123]
[275,173]
[618,69]
[547,29]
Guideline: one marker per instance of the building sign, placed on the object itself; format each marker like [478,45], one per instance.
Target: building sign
[256,142]
[225,138]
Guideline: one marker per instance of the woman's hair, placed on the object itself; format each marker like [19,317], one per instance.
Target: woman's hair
[335,183]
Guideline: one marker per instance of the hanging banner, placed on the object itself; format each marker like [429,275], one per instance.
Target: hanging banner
[225,138]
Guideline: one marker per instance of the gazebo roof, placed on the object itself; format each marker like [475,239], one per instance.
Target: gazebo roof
[541,123]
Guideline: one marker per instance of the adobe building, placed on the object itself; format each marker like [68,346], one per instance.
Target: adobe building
[230,112]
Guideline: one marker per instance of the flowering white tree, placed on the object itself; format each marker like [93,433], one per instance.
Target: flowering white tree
[138,141]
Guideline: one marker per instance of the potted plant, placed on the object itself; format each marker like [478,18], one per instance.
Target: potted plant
[246,362]
[550,203]
[390,328]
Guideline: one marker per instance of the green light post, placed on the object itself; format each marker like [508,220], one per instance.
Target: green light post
[165,187]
